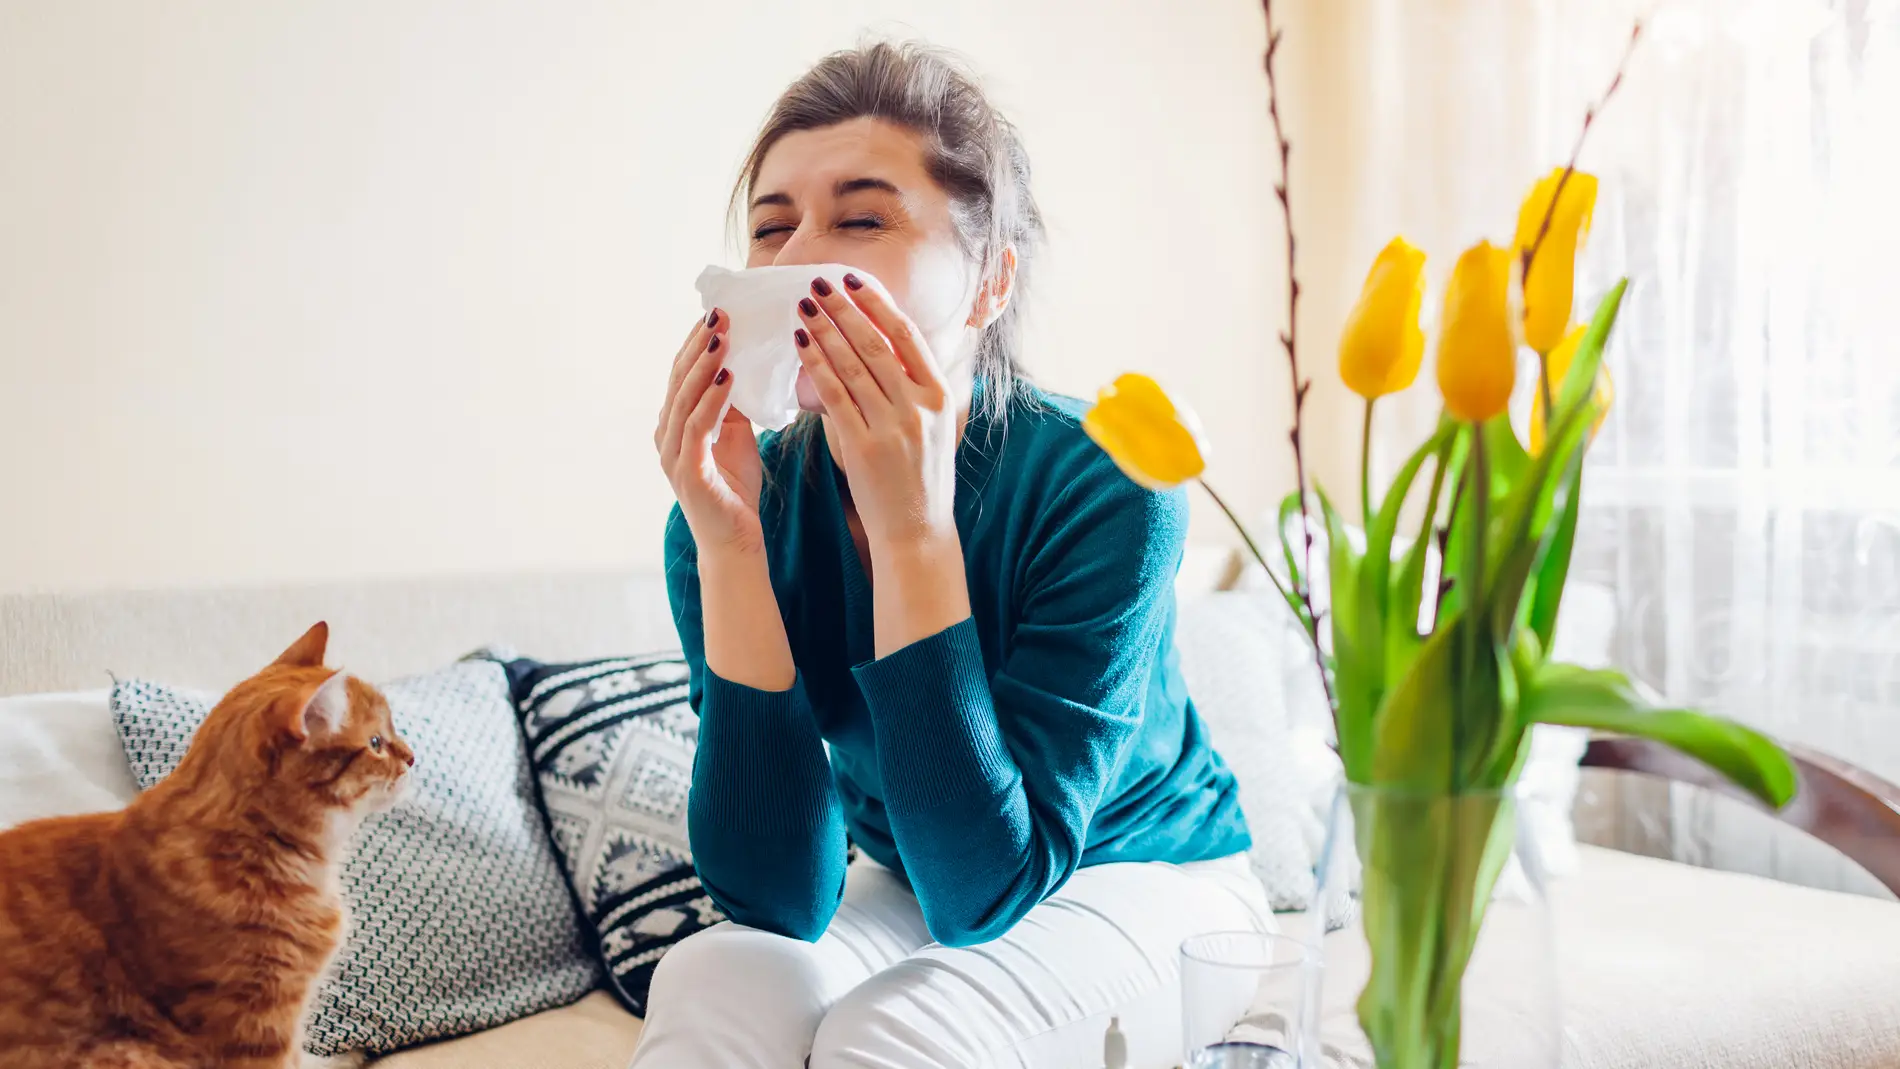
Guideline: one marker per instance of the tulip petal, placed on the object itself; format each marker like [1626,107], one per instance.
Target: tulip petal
[1155,443]
[1549,288]
[1477,358]
[1382,346]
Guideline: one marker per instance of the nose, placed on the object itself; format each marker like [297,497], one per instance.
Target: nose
[409,758]
[798,249]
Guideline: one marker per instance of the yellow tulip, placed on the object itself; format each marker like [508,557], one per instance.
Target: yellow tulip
[1477,360]
[1154,442]
[1381,348]
[1559,366]
[1548,289]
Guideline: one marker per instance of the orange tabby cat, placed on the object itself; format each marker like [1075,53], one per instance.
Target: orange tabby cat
[188,930]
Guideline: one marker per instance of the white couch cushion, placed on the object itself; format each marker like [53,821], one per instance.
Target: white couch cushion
[1661,966]
[594,1033]
[1666,966]
[59,755]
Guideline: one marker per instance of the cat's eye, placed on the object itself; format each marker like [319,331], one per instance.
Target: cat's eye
[376,743]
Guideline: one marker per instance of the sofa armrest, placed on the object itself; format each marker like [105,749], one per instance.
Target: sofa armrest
[1849,808]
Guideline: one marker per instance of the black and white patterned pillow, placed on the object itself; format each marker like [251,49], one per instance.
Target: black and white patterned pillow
[459,917]
[612,743]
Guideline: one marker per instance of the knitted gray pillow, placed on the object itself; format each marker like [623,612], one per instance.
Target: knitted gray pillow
[460,919]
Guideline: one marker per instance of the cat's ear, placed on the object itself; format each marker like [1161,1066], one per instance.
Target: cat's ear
[327,709]
[307,652]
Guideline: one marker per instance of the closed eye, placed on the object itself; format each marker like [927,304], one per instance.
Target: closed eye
[862,222]
[770,229]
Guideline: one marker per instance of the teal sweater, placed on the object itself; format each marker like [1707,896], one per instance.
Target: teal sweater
[1048,731]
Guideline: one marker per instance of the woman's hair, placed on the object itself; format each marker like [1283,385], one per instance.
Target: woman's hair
[969,149]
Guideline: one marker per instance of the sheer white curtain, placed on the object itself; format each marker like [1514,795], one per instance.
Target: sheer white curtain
[1744,498]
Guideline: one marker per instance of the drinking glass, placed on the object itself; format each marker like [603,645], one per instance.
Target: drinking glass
[1243,999]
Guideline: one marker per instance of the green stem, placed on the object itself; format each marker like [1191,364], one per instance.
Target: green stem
[1476,632]
[1365,468]
[1246,537]
[1428,529]
[1480,518]
[1446,572]
[1295,603]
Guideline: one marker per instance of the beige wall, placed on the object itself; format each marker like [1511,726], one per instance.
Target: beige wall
[323,289]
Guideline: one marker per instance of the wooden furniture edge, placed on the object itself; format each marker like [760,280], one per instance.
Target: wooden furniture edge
[1848,808]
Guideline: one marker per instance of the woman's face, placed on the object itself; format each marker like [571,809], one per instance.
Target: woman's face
[857,194]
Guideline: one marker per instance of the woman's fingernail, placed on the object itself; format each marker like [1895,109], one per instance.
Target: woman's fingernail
[720,379]
[821,287]
[803,339]
[712,318]
[713,345]
[853,282]
[807,306]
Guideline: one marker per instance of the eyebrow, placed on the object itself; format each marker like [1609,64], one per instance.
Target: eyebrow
[842,188]
[859,185]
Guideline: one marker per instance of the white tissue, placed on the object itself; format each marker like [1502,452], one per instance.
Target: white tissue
[762,303]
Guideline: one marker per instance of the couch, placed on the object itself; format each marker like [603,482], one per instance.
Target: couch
[1660,964]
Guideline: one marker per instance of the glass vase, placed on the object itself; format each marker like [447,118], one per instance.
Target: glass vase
[1438,948]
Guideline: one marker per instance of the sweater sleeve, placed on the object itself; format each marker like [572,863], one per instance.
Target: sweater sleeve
[991,781]
[763,816]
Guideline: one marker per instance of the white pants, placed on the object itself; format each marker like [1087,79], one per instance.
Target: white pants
[876,993]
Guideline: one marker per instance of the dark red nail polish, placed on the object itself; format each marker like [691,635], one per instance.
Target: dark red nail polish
[803,339]
[720,379]
[853,282]
[821,287]
[712,318]
[807,306]
[713,345]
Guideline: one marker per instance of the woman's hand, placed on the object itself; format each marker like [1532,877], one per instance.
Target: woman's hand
[712,462]
[897,428]
[895,419]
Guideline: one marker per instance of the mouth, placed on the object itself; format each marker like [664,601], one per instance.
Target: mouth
[386,796]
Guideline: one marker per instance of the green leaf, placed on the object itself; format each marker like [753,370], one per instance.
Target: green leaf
[1402,640]
[1473,660]
[1505,454]
[1498,752]
[1295,588]
[1289,508]
[1520,540]
[1414,729]
[1355,673]
[1342,568]
[1605,701]
[1529,508]
[1508,584]
[1458,528]
[1580,380]
[1375,595]
[1576,405]
[1385,525]
[1553,571]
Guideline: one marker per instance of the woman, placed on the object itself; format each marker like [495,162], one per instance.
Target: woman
[938,575]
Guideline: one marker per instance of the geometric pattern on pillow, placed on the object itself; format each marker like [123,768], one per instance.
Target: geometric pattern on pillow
[460,916]
[612,742]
